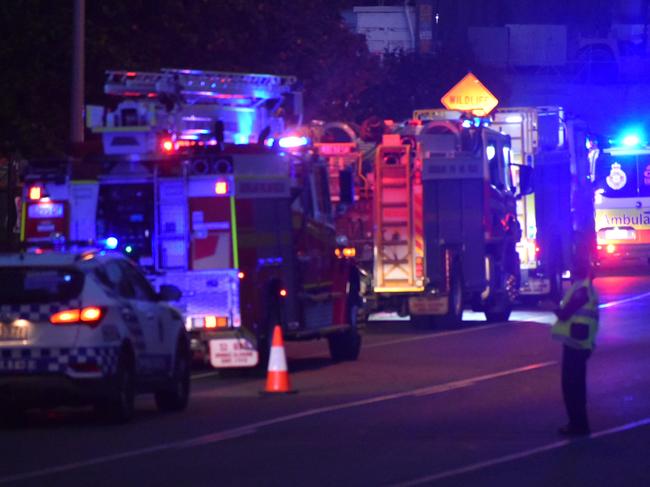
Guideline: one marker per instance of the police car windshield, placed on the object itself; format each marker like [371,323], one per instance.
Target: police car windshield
[623,176]
[36,285]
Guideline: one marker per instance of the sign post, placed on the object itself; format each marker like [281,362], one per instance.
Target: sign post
[470,95]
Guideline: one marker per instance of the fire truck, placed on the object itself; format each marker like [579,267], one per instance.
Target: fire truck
[622,201]
[557,218]
[246,231]
[350,161]
[445,219]
[350,151]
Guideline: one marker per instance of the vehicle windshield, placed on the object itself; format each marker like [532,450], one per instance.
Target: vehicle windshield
[32,285]
[623,176]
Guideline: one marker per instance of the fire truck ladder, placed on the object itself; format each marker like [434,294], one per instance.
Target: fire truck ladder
[394,245]
[204,86]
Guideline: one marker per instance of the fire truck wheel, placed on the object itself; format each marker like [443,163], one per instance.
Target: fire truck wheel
[454,316]
[175,395]
[118,406]
[345,346]
[499,309]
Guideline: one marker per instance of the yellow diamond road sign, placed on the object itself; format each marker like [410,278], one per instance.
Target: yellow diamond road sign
[469,95]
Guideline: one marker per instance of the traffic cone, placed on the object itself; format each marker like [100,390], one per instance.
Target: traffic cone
[277,379]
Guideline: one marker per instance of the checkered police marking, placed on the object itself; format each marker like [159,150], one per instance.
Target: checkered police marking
[34,312]
[57,360]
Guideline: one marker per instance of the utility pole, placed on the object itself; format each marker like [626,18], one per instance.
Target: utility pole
[77,89]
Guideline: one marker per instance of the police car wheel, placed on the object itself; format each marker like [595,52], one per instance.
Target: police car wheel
[175,396]
[118,406]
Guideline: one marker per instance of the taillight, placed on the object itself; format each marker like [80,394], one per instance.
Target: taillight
[211,322]
[90,315]
[167,145]
[65,317]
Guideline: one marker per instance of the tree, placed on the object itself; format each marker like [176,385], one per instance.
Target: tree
[305,38]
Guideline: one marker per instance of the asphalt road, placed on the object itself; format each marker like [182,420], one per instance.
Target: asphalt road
[478,405]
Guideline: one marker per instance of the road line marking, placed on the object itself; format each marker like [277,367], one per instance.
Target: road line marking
[517,456]
[204,375]
[470,382]
[225,435]
[437,335]
[623,301]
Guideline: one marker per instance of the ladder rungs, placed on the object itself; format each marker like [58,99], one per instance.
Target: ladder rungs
[401,261]
[393,242]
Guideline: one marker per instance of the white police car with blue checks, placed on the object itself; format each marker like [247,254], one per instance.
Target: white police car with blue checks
[79,328]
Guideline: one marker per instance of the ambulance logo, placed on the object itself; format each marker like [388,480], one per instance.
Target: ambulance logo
[617,178]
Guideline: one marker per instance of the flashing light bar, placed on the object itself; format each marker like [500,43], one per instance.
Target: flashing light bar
[293,141]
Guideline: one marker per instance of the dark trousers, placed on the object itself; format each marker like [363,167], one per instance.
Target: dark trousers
[574,386]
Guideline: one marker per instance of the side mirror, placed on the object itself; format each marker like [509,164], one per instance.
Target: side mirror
[346,186]
[169,292]
[526,174]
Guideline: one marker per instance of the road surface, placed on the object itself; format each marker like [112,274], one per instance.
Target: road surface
[477,405]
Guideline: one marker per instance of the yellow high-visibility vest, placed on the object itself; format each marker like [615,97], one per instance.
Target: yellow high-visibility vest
[579,330]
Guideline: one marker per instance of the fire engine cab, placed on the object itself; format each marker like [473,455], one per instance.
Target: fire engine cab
[246,231]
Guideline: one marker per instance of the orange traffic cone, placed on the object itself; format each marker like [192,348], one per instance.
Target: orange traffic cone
[277,379]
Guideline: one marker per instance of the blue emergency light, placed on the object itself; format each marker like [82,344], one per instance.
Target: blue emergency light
[112,243]
[631,137]
[631,140]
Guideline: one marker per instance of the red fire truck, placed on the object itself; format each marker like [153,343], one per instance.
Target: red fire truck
[244,230]
[445,220]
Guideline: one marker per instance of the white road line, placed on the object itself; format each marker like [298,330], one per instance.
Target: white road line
[204,375]
[435,335]
[470,382]
[517,456]
[623,301]
[252,428]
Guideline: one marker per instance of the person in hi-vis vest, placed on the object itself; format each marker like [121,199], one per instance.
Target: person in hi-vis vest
[576,327]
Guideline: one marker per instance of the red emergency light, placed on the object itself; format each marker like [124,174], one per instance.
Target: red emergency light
[167,145]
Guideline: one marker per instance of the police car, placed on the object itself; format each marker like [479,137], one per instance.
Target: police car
[87,327]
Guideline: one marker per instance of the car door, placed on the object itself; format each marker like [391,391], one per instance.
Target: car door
[156,356]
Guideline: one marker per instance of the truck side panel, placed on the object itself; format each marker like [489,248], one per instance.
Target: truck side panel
[553,202]
[452,219]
